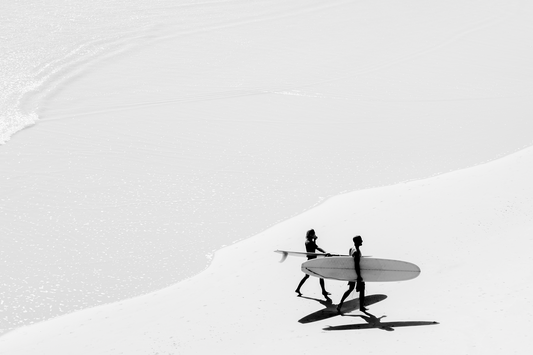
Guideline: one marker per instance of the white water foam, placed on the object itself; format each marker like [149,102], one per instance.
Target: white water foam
[44,43]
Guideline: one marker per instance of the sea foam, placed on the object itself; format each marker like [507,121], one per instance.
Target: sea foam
[45,44]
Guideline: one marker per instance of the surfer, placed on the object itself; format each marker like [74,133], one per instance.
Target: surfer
[360,284]
[312,247]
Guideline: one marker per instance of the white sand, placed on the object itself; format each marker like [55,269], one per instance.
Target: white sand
[261,116]
[470,232]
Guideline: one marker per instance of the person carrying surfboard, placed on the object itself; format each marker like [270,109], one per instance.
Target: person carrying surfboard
[360,284]
[312,247]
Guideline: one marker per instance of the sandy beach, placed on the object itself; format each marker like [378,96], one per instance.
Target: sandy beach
[239,126]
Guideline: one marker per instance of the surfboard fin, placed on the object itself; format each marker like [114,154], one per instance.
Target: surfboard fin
[283,255]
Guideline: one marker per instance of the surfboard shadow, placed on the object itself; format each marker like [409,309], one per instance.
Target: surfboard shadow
[331,309]
[373,322]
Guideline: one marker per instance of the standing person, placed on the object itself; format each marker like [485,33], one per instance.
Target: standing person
[356,254]
[312,247]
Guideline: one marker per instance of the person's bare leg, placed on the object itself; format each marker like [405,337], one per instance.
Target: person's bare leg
[323,286]
[300,285]
[346,294]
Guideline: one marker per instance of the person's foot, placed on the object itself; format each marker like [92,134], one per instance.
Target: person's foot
[298,292]
[326,293]
[363,309]
[339,309]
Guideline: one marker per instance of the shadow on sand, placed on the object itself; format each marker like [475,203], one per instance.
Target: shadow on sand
[331,309]
[374,322]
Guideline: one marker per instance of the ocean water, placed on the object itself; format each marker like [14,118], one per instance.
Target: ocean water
[46,43]
[221,118]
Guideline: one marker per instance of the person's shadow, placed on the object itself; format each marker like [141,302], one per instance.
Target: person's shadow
[330,309]
[373,322]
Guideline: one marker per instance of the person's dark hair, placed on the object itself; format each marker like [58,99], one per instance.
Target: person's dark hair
[357,238]
[310,233]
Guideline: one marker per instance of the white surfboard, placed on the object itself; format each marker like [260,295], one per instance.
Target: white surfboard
[372,269]
[285,253]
